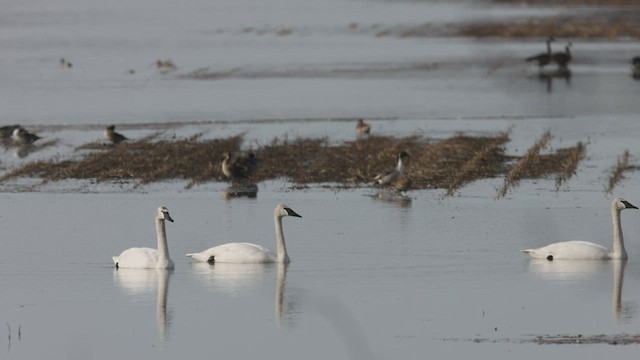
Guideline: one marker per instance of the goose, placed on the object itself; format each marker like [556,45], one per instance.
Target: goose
[22,136]
[247,252]
[111,135]
[543,58]
[147,258]
[362,128]
[387,178]
[582,250]
[240,168]
[563,58]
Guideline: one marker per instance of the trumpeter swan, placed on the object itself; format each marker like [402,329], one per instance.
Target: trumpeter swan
[247,252]
[147,258]
[387,178]
[582,250]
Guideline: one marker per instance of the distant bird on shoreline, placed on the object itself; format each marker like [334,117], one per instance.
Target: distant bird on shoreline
[65,64]
[362,128]
[7,131]
[543,59]
[240,168]
[111,135]
[563,58]
[165,66]
[22,136]
[387,178]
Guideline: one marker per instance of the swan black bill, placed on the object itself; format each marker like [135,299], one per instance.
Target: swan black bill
[628,205]
[292,213]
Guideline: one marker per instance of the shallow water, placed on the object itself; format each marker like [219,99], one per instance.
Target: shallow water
[371,277]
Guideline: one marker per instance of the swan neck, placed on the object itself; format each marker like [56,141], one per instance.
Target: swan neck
[618,242]
[161,235]
[281,248]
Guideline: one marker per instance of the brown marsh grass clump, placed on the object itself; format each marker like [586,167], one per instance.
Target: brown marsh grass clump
[448,163]
[557,26]
[617,173]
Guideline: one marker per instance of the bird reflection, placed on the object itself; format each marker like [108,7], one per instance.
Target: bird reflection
[233,278]
[141,282]
[245,189]
[550,76]
[586,270]
[392,197]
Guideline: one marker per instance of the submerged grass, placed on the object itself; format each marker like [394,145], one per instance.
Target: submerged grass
[449,164]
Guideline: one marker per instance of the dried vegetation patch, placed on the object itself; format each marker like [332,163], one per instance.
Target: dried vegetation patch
[449,164]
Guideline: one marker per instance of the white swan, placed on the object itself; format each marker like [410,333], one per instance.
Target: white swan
[247,252]
[147,258]
[582,250]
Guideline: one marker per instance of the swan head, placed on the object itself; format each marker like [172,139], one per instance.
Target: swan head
[163,214]
[283,210]
[621,204]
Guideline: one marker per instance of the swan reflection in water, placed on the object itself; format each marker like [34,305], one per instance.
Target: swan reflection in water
[140,282]
[232,279]
[581,270]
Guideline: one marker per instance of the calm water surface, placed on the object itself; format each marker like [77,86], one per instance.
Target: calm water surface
[370,277]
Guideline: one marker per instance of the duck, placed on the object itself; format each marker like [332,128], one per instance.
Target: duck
[111,135]
[563,58]
[362,128]
[22,136]
[65,64]
[6,131]
[166,65]
[240,168]
[147,258]
[401,184]
[387,178]
[248,252]
[543,59]
[583,250]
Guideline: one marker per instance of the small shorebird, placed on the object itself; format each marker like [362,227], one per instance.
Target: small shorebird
[362,128]
[111,135]
[543,59]
[65,64]
[239,168]
[22,136]
[563,58]
[387,178]
[166,65]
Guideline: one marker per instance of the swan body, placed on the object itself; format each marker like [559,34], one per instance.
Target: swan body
[387,178]
[583,250]
[247,252]
[147,258]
